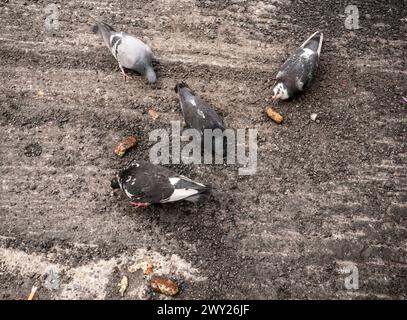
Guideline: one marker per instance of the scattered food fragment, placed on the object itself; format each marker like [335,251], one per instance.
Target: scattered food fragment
[40,93]
[148,268]
[32,293]
[125,145]
[274,115]
[153,114]
[123,284]
[314,116]
[164,285]
[136,266]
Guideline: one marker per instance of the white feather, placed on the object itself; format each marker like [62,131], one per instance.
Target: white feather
[307,53]
[174,181]
[128,193]
[180,194]
[187,179]
[306,41]
[280,92]
[191,99]
[201,114]
[320,44]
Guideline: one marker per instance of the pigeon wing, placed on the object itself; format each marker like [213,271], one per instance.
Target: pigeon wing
[134,54]
[185,188]
[299,69]
[147,183]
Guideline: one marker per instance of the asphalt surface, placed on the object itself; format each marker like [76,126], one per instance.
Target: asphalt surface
[328,194]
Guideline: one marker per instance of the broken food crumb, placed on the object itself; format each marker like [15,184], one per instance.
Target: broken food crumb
[274,115]
[148,268]
[125,145]
[123,284]
[164,286]
[153,114]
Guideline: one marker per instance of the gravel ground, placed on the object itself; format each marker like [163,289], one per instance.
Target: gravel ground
[328,194]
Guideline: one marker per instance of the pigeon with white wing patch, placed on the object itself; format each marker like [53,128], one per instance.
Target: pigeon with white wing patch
[145,183]
[130,52]
[299,69]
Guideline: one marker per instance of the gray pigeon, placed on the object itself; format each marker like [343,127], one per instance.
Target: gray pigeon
[130,52]
[199,115]
[145,183]
[297,72]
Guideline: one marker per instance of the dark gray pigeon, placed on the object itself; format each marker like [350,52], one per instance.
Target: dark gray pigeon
[197,113]
[145,183]
[130,52]
[296,73]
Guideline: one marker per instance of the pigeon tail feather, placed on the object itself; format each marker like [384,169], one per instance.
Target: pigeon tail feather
[150,74]
[314,35]
[314,42]
[321,39]
[200,197]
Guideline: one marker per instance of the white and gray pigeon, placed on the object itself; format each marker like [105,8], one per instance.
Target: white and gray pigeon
[297,72]
[145,183]
[130,52]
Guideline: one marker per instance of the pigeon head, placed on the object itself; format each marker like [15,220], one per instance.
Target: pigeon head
[181,85]
[114,184]
[280,92]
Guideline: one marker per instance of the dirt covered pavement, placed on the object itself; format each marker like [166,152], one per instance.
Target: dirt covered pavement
[328,194]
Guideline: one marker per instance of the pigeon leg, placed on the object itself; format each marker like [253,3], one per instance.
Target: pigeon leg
[139,204]
[301,97]
[124,73]
[125,76]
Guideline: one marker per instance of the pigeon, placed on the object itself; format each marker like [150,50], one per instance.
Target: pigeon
[130,52]
[198,114]
[145,184]
[297,72]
